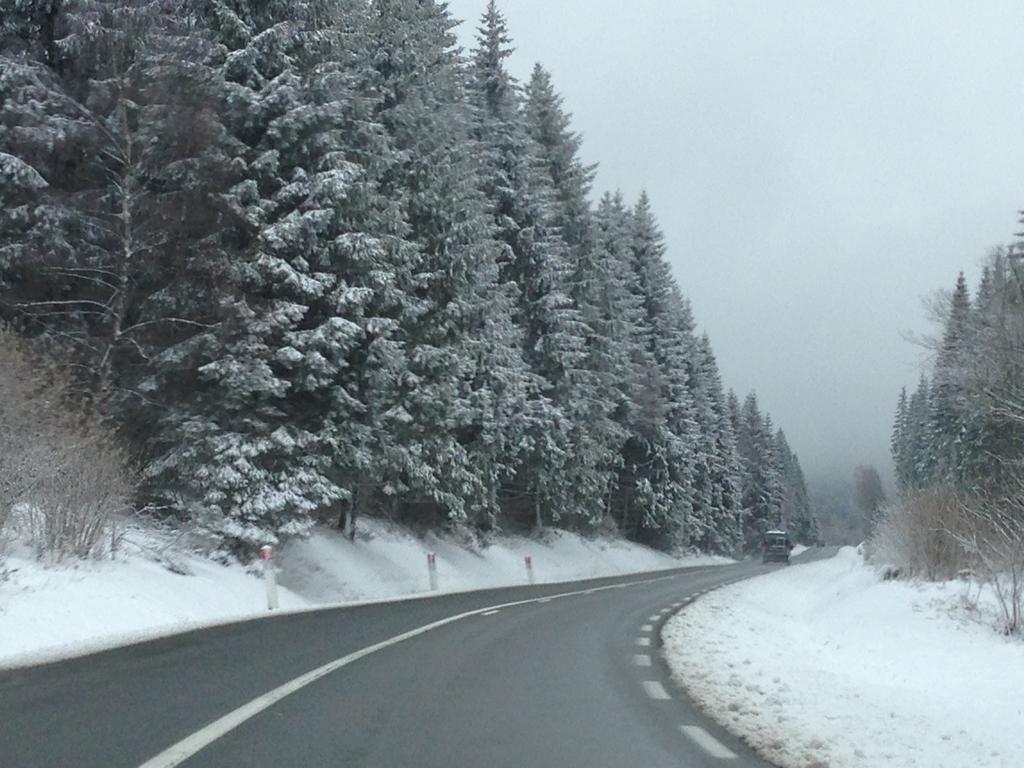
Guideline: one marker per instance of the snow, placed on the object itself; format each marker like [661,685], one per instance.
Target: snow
[386,561]
[54,612]
[826,665]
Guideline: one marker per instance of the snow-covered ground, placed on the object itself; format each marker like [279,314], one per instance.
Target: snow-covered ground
[386,561]
[53,612]
[826,666]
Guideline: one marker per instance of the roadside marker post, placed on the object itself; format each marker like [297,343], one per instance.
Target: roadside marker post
[529,569]
[269,576]
[432,570]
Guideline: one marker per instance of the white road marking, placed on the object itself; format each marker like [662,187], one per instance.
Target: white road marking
[646,628]
[490,613]
[656,690]
[642,660]
[655,617]
[644,641]
[676,605]
[178,753]
[707,742]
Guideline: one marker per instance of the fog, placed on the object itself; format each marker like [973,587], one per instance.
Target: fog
[817,167]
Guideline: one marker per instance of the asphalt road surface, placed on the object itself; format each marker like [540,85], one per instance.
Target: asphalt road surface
[565,675]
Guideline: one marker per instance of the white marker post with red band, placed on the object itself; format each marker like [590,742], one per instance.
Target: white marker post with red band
[269,577]
[432,570]
[529,569]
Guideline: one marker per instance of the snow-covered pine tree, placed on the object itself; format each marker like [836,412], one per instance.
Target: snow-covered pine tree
[591,390]
[762,490]
[520,195]
[920,472]
[665,332]
[88,89]
[549,125]
[276,427]
[720,460]
[898,440]
[796,514]
[628,380]
[459,416]
[947,400]
[991,359]
[128,258]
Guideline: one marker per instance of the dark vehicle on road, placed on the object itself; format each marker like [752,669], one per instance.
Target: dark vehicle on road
[776,547]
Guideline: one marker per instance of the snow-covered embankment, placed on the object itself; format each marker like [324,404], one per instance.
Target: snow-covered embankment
[53,612]
[826,666]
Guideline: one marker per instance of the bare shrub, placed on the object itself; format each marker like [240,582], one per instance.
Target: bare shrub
[60,465]
[993,537]
[917,535]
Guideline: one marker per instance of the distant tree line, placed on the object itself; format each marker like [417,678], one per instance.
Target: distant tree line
[317,263]
[958,444]
[964,425]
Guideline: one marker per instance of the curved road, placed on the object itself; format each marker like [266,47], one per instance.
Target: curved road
[552,675]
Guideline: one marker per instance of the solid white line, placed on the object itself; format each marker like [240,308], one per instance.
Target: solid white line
[490,613]
[707,742]
[656,690]
[178,753]
[644,641]
[642,660]
[646,628]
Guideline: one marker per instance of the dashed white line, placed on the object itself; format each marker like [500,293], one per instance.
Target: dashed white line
[642,660]
[707,742]
[643,641]
[655,617]
[181,751]
[656,690]
[676,605]
[646,628]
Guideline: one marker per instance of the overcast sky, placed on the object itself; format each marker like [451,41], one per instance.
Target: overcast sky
[817,167]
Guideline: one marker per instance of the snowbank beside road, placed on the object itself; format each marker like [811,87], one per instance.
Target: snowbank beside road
[386,561]
[825,666]
[54,612]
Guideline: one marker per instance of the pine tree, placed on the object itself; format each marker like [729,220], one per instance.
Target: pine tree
[904,433]
[520,196]
[592,283]
[718,464]
[947,412]
[665,337]
[919,469]
[762,489]
[256,450]
[88,99]
[459,415]
[796,513]
[549,125]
